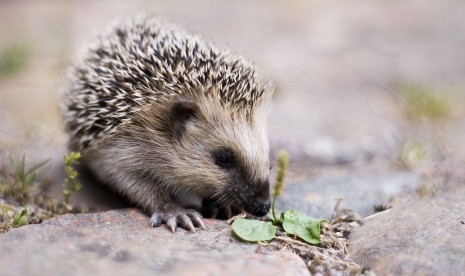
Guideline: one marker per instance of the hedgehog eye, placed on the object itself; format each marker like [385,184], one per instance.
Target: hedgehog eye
[224,159]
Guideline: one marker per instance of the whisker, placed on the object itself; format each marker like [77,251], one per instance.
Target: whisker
[219,200]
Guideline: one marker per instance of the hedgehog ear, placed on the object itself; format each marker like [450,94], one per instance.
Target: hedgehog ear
[181,111]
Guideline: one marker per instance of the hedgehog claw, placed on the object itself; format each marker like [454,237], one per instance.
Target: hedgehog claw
[156,220]
[196,218]
[187,219]
[171,223]
[185,222]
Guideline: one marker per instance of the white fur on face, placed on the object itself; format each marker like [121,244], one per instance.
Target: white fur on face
[244,133]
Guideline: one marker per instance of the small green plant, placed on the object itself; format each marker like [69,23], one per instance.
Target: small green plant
[20,218]
[25,177]
[9,218]
[283,162]
[292,222]
[13,58]
[71,183]
[18,180]
[20,186]
[422,101]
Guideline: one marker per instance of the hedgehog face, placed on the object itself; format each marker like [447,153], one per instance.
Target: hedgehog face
[246,191]
[222,153]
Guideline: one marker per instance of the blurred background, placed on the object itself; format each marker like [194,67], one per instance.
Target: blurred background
[362,87]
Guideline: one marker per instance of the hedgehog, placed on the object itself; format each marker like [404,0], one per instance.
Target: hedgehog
[157,114]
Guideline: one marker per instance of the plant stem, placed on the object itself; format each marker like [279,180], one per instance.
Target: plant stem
[272,209]
[283,161]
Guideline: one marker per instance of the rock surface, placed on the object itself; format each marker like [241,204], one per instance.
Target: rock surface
[423,238]
[318,197]
[122,243]
[338,68]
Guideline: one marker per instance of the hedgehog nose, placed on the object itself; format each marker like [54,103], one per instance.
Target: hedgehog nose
[261,208]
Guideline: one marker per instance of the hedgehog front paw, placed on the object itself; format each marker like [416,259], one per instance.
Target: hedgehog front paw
[183,218]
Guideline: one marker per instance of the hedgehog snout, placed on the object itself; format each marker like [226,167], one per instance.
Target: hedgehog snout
[260,203]
[261,207]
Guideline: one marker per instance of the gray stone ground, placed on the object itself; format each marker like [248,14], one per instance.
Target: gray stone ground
[121,243]
[318,197]
[420,238]
[338,68]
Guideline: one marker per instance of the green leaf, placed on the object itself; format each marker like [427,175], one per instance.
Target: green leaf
[253,230]
[306,228]
[20,218]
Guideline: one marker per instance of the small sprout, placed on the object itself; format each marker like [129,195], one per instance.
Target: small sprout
[25,177]
[71,183]
[9,218]
[13,58]
[283,162]
[20,218]
[18,181]
[422,101]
